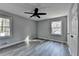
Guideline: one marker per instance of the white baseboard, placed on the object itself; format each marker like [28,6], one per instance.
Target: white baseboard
[7,45]
[11,44]
[59,41]
[54,40]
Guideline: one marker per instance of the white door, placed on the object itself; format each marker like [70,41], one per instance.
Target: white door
[72,35]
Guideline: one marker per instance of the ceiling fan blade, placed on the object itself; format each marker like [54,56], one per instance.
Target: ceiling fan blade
[42,13]
[28,12]
[38,16]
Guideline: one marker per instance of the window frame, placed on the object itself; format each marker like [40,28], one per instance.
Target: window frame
[10,18]
[51,27]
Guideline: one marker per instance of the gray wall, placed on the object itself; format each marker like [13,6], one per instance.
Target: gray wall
[45,32]
[21,28]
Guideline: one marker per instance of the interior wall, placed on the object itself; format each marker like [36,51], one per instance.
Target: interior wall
[44,29]
[21,28]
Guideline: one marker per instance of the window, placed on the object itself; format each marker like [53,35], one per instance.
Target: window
[56,27]
[4,27]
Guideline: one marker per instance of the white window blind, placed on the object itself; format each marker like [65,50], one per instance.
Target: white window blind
[4,27]
[56,27]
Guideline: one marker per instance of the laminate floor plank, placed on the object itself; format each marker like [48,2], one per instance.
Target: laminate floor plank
[43,48]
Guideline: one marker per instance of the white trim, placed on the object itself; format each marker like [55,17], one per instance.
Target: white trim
[7,45]
[53,40]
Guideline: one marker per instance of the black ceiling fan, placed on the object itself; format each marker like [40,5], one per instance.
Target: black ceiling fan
[35,13]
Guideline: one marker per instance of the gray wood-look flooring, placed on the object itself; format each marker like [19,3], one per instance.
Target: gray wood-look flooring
[38,48]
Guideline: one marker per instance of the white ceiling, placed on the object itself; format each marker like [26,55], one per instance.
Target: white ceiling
[52,9]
